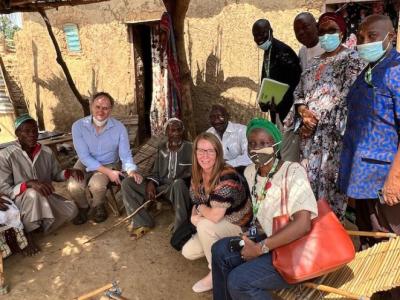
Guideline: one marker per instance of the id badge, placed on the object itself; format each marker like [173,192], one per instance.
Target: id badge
[253,230]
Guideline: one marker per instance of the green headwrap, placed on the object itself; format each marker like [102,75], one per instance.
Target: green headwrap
[268,126]
[22,119]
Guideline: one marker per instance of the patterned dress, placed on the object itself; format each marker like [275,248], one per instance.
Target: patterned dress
[323,89]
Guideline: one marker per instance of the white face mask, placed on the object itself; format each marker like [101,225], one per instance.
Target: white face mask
[99,123]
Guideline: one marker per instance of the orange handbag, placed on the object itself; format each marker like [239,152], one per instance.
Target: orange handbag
[325,248]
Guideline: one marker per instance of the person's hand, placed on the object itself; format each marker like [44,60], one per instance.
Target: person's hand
[305,133]
[3,204]
[265,107]
[250,250]
[76,174]
[44,188]
[114,176]
[310,121]
[391,190]
[150,190]
[136,176]
[195,219]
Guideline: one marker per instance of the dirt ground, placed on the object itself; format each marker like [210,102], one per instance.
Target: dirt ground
[65,268]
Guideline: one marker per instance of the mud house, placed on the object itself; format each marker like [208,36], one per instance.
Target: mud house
[112,46]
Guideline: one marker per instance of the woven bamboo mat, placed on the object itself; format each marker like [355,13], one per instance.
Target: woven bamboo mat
[373,270]
[145,155]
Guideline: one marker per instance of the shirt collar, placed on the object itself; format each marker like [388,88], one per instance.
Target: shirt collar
[88,122]
[230,127]
[35,152]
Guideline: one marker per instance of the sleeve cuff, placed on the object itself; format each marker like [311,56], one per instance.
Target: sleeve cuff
[66,174]
[154,180]
[130,168]
[19,189]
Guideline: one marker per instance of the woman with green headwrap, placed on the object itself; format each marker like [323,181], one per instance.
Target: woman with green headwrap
[249,273]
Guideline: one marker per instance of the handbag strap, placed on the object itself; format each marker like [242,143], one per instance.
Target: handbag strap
[284,192]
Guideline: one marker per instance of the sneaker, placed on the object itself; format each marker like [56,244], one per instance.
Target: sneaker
[100,213]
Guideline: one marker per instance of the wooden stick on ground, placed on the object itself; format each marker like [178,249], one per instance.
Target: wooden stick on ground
[377,235]
[124,219]
[328,289]
[96,292]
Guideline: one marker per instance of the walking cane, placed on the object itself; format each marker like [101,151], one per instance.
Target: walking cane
[124,219]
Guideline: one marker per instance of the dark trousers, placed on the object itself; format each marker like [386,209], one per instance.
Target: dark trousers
[234,278]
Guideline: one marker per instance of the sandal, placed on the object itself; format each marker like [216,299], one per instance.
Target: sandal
[138,233]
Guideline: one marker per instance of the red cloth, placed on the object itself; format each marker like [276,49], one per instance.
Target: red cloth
[337,18]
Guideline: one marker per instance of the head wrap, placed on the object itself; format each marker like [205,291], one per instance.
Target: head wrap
[170,120]
[22,119]
[335,17]
[268,126]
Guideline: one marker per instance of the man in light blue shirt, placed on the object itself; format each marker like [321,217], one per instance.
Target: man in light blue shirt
[102,145]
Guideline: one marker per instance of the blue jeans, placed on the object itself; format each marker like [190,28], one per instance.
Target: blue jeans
[234,278]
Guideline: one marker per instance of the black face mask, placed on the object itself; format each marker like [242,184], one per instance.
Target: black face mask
[263,156]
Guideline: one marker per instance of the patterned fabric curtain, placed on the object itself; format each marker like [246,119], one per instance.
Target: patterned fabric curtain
[166,102]
[159,104]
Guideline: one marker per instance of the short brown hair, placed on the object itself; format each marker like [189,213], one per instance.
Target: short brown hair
[103,94]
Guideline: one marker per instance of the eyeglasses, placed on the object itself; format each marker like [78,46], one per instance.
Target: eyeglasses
[203,152]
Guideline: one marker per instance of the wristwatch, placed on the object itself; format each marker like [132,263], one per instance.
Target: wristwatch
[264,248]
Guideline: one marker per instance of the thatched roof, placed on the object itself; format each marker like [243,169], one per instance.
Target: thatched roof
[10,6]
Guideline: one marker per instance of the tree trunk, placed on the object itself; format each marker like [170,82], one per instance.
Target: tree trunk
[84,102]
[178,10]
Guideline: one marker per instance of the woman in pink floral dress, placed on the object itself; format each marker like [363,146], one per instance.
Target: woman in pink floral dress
[319,109]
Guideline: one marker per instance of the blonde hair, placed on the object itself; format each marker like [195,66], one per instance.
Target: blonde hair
[219,166]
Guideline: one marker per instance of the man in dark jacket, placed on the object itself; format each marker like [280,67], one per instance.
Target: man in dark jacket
[280,63]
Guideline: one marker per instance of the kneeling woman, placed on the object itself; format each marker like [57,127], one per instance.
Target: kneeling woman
[249,274]
[221,204]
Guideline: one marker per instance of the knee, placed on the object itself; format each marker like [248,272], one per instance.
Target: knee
[179,185]
[205,226]
[97,186]
[32,195]
[188,253]
[74,185]
[219,250]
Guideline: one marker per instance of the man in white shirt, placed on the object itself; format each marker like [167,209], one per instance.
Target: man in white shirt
[232,136]
[305,28]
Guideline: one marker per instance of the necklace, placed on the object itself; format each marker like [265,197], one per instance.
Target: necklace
[257,198]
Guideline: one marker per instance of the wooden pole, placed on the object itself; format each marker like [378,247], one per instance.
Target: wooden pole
[84,102]
[96,292]
[328,289]
[377,235]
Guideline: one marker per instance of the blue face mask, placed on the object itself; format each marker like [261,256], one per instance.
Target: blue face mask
[329,42]
[265,46]
[372,52]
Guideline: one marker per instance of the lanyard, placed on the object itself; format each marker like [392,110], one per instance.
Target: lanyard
[256,198]
[267,67]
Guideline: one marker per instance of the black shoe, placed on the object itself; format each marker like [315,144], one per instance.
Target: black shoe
[81,217]
[100,213]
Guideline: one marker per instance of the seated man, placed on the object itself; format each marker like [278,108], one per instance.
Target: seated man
[171,175]
[232,137]
[27,169]
[101,143]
